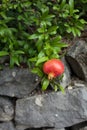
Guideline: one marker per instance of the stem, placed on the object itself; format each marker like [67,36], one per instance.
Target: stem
[50,76]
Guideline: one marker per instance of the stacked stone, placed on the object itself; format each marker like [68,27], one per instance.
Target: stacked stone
[21,109]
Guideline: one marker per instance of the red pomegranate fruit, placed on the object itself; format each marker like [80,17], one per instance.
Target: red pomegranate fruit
[53,68]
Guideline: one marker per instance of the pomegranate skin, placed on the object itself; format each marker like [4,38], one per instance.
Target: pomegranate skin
[53,68]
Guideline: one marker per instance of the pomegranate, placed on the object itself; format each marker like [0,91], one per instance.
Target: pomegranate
[53,68]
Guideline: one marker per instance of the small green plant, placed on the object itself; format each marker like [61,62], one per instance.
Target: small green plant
[31,31]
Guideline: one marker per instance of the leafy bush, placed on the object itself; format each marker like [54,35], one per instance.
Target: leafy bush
[31,31]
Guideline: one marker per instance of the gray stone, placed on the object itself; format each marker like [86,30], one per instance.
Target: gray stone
[53,109]
[77,58]
[66,80]
[7,126]
[17,82]
[85,128]
[34,129]
[6,109]
[53,129]
[19,128]
[80,126]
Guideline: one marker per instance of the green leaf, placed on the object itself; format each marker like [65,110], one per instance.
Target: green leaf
[43,24]
[52,30]
[45,10]
[41,36]
[32,59]
[39,45]
[55,55]
[76,16]
[61,88]
[37,71]
[78,32]
[45,84]
[19,52]
[59,45]
[80,27]
[3,53]
[56,50]
[14,60]
[33,36]
[41,30]
[55,88]
[74,31]
[83,21]
[55,8]
[69,30]
[41,54]
[62,4]
[56,39]
[41,60]
[71,5]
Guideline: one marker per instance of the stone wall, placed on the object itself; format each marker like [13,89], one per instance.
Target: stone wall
[24,107]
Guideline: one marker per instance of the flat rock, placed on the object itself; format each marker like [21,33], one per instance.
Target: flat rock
[17,82]
[53,109]
[77,58]
[6,109]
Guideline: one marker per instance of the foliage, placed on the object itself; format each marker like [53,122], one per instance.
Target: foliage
[81,5]
[31,31]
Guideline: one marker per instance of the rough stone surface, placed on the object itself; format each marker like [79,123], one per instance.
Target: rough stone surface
[6,109]
[48,111]
[85,128]
[66,80]
[7,126]
[80,126]
[20,128]
[34,129]
[77,58]
[53,129]
[53,110]
[17,82]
